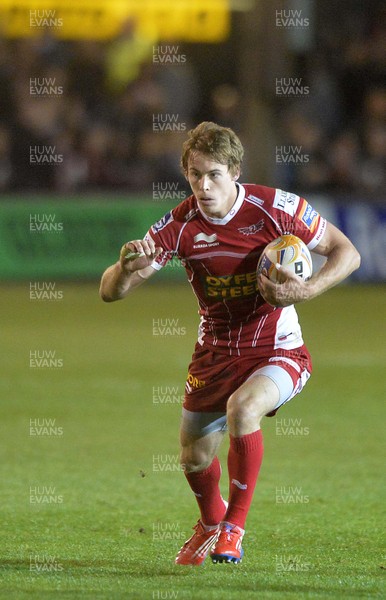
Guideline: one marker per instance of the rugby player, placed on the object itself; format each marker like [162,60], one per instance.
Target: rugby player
[250,357]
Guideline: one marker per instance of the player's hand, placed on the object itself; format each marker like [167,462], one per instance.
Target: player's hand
[290,290]
[138,254]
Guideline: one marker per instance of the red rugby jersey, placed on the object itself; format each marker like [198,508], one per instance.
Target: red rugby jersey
[220,257]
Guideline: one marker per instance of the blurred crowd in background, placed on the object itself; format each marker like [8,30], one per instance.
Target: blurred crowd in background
[341,127]
[94,106]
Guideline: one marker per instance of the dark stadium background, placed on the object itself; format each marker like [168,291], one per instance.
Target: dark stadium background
[302,82]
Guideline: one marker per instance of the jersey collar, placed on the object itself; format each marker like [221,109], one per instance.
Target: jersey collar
[233,211]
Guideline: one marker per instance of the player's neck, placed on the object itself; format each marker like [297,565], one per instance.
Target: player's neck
[232,200]
[228,205]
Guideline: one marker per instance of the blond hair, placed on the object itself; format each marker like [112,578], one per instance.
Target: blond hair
[221,144]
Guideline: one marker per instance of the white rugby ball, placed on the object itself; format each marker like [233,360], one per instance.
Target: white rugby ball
[288,251]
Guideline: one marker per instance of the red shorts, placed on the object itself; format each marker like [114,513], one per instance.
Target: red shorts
[213,377]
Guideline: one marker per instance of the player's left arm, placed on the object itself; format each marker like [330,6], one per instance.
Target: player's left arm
[342,259]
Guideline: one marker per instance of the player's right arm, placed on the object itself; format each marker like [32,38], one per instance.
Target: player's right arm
[130,271]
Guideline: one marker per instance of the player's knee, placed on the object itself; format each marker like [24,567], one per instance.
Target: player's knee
[194,461]
[244,406]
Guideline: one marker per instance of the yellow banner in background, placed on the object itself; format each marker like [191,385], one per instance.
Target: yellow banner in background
[162,20]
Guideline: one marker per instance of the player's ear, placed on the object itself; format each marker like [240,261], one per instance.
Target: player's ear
[236,175]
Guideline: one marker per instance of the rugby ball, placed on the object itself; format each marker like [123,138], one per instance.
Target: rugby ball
[288,251]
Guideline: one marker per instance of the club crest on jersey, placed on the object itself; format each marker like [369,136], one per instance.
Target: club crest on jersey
[157,227]
[251,229]
[286,201]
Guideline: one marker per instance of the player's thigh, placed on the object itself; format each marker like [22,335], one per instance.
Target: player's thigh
[254,398]
[267,388]
[200,436]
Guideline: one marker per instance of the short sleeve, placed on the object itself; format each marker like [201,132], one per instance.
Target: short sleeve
[296,215]
[163,235]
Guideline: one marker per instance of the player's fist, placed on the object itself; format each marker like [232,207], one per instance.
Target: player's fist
[138,254]
[290,290]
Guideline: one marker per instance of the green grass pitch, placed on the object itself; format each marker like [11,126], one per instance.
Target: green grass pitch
[93,503]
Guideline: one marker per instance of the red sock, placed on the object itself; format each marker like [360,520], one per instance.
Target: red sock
[205,487]
[244,461]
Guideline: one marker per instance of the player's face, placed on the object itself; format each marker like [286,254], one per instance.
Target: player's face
[212,184]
